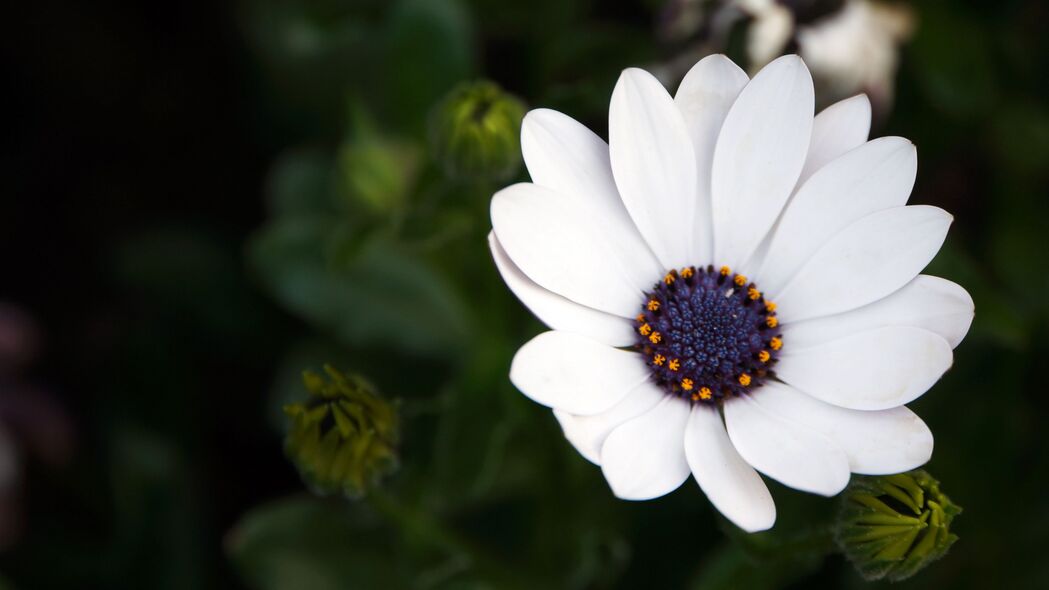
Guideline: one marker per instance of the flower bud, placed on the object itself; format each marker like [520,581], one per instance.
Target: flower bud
[378,172]
[475,132]
[342,437]
[892,526]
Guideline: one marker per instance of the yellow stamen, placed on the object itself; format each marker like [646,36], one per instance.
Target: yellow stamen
[686,384]
[674,365]
[740,280]
[771,321]
[744,379]
[695,396]
[652,305]
[705,393]
[659,360]
[670,278]
[770,306]
[655,337]
[753,294]
[686,272]
[776,343]
[640,317]
[725,271]
[764,356]
[645,329]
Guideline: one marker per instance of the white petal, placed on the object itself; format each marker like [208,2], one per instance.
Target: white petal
[927,302]
[876,443]
[644,458]
[566,157]
[838,128]
[787,452]
[574,373]
[864,262]
[654,165]
[588,433]
[556,311]
[704,98]
[872,370]
[759,154]
[731,485]
[558,246]
[875,176]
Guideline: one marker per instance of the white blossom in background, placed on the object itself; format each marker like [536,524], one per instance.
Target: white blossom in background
[855,49]
[732,285]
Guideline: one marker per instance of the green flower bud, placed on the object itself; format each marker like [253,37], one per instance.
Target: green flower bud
[378,172]
[342,437]
[475,132]
[892,526]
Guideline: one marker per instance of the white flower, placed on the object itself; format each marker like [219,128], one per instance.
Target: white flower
[851,50]
[661,362]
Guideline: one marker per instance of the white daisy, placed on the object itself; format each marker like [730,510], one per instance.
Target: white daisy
[656,259]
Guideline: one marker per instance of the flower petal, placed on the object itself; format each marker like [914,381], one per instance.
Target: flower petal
[875,176]
[876,443]
[704,98]
[864,262]
[566,157]
[759,154]
[927,302]
[836,130]
[872,370]
[785,451]
[654,165]
[731,485]
[588,433]
[555,243]
[557,312]
[574,373]
[644,458]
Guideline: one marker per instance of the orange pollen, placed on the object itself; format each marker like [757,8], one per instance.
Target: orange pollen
[775,343]
[740,280]
[744,379]
[659,359]
[764,356]
[753,293]
[674,365]
[652,305]
[686,384]
[686,273]
[640,317]
[705,393]
[725,271]
[645,329]
[670,278]
[770,306]
[771,321]
[655,337]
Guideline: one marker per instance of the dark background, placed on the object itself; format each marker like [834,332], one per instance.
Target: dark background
[152,152]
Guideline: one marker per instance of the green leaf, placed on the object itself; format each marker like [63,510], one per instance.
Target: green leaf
[302,542]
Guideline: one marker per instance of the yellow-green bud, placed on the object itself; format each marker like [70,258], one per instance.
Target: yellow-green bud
[378,172]
[892,526]
[475,132]
[342,437]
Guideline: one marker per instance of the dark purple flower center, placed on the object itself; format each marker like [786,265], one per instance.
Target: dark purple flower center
[708,334]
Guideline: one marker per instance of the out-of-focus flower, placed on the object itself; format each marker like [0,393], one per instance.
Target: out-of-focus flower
[717,307]
[342,438]
[378,172]
[33,424]
[474,132]
[853,49]
[893,526]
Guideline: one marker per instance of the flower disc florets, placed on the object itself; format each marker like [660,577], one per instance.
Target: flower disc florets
[708,334]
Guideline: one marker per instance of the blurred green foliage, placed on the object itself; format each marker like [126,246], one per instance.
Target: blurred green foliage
[363,252]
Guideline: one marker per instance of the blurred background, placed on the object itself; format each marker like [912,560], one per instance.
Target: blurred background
[201,200]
